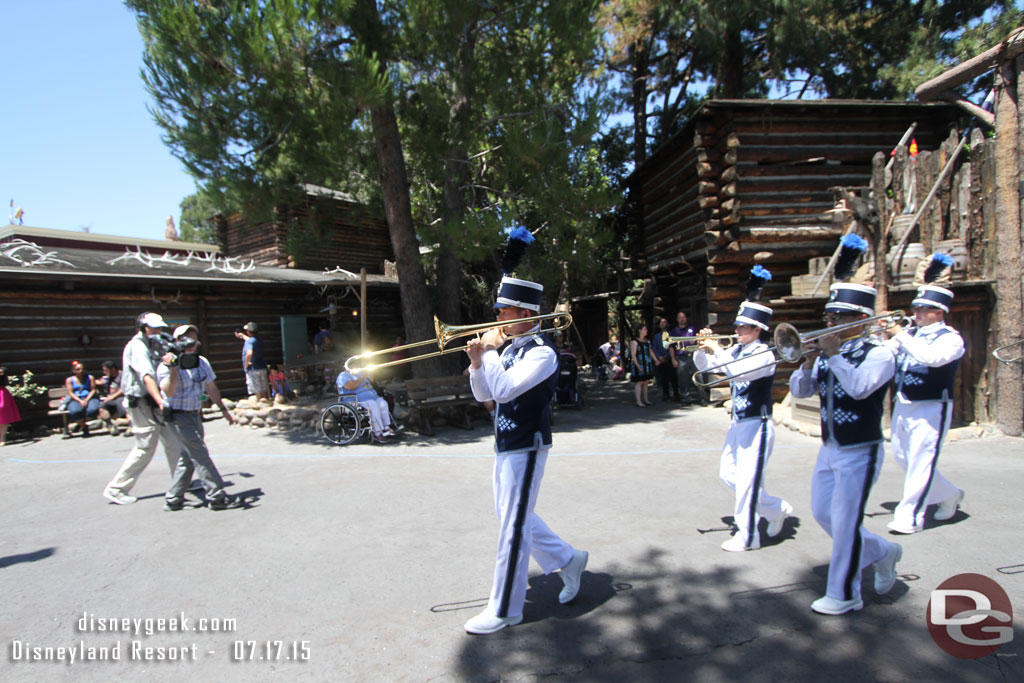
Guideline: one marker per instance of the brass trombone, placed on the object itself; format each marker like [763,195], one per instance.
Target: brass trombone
[445,333]
[724,341]
[997,353]
[789,346]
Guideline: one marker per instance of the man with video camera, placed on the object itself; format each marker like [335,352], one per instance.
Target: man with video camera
[184,387]
[142,393]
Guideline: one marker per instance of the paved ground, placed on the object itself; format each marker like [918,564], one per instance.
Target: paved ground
[366,561]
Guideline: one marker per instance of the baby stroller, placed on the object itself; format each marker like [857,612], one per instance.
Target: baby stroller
[568,391]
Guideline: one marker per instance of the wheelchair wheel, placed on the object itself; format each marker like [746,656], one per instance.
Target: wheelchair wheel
[340,424]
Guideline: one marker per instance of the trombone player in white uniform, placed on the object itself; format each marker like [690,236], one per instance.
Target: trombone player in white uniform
[750,367]
[521,379]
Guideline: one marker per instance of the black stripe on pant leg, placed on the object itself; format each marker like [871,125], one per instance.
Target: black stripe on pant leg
[853,571]
[935,463]
[758,476]
[517,534]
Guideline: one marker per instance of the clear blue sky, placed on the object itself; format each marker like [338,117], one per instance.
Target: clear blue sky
[79,147]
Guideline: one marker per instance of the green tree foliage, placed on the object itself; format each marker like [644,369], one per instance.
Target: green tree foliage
[671,55]
[197,213]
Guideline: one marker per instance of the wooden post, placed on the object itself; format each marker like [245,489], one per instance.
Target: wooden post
[362,308]
[1009,312]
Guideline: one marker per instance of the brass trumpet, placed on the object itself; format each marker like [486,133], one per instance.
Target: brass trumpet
[445,333]
[724,341]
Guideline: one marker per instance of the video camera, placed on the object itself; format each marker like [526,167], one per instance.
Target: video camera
[162,344]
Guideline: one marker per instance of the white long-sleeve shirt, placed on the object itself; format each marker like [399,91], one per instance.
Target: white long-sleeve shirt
[492,382]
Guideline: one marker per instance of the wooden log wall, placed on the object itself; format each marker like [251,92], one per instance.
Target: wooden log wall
[328,233]
[42,323]
[747,183]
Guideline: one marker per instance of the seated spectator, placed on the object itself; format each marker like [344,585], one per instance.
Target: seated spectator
[611,352]
[108,388]
[278,381]
[82,402]
[357,386]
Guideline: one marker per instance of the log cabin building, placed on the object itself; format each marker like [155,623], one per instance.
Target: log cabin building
[756,181]
[67,295]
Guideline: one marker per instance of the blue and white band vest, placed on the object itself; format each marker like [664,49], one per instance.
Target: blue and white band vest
[916,381]
[848,420]
[751,399]
[524,423]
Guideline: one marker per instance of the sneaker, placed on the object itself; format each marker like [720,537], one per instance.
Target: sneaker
[828,605]
[885,568]
[571,575]
[227,503]
[118,497]
[389,432]
[485,623]
[948,508]
[775,526]
[174,504]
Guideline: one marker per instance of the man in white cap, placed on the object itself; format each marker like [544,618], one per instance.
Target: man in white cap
[748,444]
[851,376]
[521,380]
[926,362]
[145,403]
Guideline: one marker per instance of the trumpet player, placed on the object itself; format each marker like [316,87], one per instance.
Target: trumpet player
[851,375]
[926,361]
[748,443]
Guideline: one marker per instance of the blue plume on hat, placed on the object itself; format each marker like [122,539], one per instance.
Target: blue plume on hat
[518,240]
[939,263]
[850,249]
[759,275]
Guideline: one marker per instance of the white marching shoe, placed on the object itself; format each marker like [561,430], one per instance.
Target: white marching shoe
[775,527]
[948,508]
[571,574]
[486,622]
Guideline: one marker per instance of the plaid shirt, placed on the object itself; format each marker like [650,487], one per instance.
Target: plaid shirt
[191,385]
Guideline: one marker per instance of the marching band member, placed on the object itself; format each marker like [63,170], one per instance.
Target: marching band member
[748,443]
[521,379]
[926,362]
[851,375]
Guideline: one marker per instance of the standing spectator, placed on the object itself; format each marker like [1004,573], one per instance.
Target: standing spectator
[684,365]
[184,391]
[111,396]
[9,413]
[642,368]
[664,362]
[322,340]
[145,404]
[82,402]
[252,362]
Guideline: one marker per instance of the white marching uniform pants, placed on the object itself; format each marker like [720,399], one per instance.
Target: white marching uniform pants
[840,486]
[521,532]
[748,445]
[918,429]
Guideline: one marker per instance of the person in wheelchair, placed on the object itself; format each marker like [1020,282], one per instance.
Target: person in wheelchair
[356,387]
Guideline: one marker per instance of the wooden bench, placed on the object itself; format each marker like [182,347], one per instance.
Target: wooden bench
[56,397]
[428,396]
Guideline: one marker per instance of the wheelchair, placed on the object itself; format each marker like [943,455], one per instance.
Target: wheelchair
[343,422]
